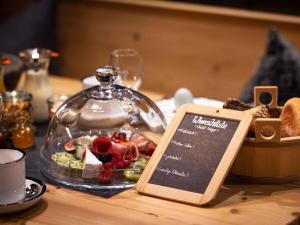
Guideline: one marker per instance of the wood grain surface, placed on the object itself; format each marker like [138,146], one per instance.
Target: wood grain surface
[70,86]
[65,85]
[235,204]
[212,51]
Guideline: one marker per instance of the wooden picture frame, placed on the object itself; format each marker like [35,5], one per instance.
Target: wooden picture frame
[243,120]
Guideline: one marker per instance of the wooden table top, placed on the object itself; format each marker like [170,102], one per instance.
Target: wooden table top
[235,203]
[63,85]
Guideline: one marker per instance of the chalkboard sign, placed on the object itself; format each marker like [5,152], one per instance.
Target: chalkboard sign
[195,154]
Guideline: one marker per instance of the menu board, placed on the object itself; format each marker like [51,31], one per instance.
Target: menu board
[195,154]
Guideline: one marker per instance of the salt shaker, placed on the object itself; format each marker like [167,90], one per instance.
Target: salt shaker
[36,80]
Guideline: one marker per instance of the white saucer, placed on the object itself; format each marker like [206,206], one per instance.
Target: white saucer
[37,188]
[168,108]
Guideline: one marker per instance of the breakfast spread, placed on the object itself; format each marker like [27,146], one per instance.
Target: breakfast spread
[99,157]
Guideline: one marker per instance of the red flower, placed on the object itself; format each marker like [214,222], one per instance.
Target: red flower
[101,146]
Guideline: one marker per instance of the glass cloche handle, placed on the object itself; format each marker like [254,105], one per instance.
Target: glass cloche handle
[106,75]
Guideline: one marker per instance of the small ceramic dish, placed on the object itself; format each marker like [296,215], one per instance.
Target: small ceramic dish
[34,191]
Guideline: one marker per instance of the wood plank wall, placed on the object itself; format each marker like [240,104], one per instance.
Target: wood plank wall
[210,50]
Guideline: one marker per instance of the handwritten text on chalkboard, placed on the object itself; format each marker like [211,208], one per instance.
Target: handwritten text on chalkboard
[194,152]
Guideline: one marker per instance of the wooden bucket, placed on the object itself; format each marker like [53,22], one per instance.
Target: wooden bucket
[268,159]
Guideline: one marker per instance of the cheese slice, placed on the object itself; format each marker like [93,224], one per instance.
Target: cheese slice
[91,166]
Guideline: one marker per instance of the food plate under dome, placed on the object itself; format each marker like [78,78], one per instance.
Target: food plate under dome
[102,137]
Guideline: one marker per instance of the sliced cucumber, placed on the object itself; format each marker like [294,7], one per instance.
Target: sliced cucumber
[67,160]
[131,175]
[135,170]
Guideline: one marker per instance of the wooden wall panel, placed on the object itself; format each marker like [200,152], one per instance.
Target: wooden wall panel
[209,50]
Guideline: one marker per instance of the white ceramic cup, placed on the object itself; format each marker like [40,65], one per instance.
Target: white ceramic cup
[12,176]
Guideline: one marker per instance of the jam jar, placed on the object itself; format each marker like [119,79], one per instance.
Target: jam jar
[16,124]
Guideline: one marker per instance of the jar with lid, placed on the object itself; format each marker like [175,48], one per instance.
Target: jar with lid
[16,122]
[36,80]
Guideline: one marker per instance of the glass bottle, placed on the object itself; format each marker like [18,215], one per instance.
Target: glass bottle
[3,61]
[36,80]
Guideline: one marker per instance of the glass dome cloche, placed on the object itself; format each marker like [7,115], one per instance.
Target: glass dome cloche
[102,137]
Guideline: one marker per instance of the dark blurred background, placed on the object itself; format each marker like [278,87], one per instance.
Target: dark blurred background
[29,23]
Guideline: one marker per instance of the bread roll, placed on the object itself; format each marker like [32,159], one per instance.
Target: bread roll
[290,118]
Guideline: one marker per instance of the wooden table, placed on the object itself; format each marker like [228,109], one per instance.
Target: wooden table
[235,204]
[62,85]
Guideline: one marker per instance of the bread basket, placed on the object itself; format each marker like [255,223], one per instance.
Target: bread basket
[268,159]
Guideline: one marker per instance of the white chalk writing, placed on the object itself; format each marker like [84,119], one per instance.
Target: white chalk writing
[212,123]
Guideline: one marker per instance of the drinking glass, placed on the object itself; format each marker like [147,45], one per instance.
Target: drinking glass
[129,66]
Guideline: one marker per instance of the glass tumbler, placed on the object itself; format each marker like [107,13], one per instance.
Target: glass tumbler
[129,66]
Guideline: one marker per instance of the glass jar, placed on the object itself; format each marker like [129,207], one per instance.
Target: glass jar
[36,80]
[54,102]
[23,135]
[16,122]
[102,137]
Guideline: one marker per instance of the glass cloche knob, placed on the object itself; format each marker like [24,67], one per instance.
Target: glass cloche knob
[106,75]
